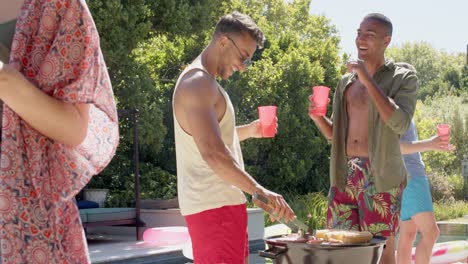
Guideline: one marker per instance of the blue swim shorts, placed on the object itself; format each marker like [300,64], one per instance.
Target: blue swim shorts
[417,198]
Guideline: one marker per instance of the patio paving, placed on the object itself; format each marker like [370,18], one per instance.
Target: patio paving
[104,249]
[125,249]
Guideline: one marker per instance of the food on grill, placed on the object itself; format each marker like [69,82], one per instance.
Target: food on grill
[314,241]
[344,236]
[329,237]
[292,238]
[321,233]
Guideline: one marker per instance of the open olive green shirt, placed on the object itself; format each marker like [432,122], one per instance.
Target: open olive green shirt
[400,85]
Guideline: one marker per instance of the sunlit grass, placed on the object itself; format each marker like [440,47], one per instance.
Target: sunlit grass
[450,210]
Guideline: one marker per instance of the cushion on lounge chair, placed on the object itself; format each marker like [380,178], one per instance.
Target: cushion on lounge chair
[106,214]
[83,216]
[85,204]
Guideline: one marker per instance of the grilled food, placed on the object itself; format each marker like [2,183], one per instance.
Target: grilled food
[344,236]
[321,234]
[292,238]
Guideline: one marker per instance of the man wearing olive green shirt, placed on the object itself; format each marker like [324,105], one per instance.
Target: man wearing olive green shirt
[373,105]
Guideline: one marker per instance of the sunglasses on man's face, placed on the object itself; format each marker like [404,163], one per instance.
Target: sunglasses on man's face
[247,61]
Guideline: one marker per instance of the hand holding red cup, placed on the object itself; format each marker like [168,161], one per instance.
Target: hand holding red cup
[320,100]
[443,131]
[268,120]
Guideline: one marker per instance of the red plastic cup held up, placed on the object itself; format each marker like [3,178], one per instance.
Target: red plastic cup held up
[320,98]
[443,131]
[267,115]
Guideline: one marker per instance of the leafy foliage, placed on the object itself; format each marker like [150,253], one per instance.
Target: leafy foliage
[451,110]
[459,191]
[439,73]
[312,210]
[441,188]
[446,210]
[295,58]
[164,36]
[147,44]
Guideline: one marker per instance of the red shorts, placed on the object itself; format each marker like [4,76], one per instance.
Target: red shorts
[219,235]
[359,207]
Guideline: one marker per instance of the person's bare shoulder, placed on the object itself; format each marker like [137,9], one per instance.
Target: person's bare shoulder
[194,101]
[196,87]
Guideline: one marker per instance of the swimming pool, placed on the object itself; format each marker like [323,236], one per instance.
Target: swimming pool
[453,231]
[450,232]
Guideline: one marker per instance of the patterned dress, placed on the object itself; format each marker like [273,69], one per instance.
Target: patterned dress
[56,47]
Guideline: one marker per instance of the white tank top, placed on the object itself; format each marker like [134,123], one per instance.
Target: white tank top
[198,187]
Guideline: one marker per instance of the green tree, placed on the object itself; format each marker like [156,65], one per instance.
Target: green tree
[148,43]
[451,110]
[122,26]
[439,73]
[464,80]
[300,52]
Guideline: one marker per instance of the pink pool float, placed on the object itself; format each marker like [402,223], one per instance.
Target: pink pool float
[449,252]
[166,236]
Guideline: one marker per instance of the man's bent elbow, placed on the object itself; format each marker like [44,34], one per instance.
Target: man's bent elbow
[399,121]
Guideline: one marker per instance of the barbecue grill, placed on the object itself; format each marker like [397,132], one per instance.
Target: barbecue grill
[297,252]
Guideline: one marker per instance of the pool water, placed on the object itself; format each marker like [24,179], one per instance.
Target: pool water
[448,232]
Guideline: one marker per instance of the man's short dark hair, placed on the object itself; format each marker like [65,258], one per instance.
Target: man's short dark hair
[382,19]
[239,23]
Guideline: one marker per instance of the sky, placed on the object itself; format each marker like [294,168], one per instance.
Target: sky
[441,23]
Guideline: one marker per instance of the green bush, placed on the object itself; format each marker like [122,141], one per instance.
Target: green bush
[154,183]
[456,180]
[146,45]
[448,109]
[157,183]
[441,188]
[301,51]
[450,210]
[120,198]
[310,208]
[439,72]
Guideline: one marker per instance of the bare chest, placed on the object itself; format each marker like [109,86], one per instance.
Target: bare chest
[357,112]
[356,98]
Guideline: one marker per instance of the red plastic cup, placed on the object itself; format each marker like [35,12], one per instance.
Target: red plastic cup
[267,115]
[443,131]
[319,110]
[320,98]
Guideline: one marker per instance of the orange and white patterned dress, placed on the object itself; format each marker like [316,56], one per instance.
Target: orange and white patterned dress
[56,47]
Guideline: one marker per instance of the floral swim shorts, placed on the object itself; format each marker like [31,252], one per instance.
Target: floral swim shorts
[359,207]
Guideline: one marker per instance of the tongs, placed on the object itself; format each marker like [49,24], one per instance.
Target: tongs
[296,225]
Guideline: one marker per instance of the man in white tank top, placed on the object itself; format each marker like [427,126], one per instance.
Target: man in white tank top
[210,171]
